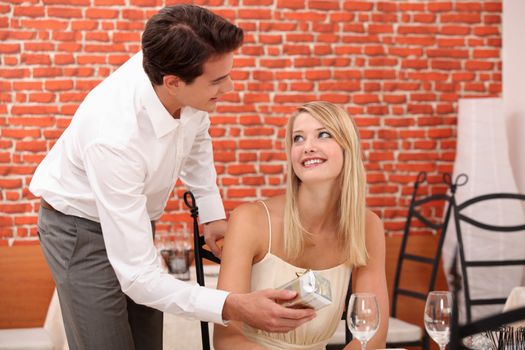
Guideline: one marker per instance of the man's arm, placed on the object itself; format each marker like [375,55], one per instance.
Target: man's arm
[116,175]
[262,309]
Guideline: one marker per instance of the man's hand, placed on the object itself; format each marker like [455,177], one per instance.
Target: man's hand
[214,231]
[261,310]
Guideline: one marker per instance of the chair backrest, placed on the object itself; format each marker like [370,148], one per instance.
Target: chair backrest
[200,253]
[419,210]
[464,215]
[348,334]
[419,216]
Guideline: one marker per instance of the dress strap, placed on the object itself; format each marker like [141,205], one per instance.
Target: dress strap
[269,226]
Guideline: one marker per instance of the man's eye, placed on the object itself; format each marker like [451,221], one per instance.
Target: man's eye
[324,135]
[297,138]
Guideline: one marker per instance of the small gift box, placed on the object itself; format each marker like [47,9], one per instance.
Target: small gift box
[313,291]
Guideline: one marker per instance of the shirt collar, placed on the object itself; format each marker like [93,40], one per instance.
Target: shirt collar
[162,121]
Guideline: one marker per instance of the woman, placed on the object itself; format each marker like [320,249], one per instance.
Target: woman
[321,224]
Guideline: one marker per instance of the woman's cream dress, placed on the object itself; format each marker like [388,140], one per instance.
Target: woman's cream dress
[272,272]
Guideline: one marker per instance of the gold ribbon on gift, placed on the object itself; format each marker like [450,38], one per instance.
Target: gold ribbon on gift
[299,274]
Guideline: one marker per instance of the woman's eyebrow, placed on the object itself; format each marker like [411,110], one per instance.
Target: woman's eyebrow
[318,129]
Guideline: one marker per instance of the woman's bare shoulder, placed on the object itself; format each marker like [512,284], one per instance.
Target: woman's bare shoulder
[252,216]
[373,223]
[275,204]
[248,217]
[248,229]
[249,210]
[256,210]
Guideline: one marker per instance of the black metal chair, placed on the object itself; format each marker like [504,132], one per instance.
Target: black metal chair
[200,253]
[458,333]
[413,335]
[462,217]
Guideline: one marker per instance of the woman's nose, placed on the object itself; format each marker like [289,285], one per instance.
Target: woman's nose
[309,146]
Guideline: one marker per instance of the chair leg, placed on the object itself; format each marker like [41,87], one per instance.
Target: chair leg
[205,336]
[426,342]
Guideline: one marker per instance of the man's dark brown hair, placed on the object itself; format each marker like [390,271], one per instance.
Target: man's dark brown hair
[180,39]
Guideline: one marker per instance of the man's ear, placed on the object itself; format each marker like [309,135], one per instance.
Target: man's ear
[172,83]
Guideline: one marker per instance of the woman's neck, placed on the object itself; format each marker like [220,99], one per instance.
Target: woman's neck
[318,208]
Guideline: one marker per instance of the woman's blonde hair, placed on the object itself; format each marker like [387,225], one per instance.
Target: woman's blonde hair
[351,197]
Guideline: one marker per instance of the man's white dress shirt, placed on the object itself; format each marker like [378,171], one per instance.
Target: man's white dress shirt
[117,164]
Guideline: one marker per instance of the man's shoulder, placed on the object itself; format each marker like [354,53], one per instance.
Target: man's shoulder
[121,81]
[111,109]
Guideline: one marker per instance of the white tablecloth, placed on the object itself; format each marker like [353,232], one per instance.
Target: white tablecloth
[184,334]
[515,300]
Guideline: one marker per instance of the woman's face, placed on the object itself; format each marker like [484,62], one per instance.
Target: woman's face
[316,156]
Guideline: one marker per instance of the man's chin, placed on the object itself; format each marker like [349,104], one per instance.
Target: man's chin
[210,107]
[207,108]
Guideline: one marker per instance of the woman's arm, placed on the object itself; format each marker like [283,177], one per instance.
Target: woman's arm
[372,279]
[243,242]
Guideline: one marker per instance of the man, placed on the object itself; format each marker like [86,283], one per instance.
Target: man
[108,179]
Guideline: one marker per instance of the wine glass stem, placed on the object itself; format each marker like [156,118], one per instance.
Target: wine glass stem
[363,345]
[442,346]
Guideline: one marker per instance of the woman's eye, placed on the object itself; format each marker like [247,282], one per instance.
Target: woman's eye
[324,135]
[297,138]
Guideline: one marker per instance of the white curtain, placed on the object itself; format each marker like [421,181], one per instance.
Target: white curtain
[483,154]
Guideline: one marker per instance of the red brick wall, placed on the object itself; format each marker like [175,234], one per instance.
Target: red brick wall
[399,67]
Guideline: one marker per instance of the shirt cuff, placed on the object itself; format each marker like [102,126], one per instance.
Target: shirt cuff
[210,208]
[209,305]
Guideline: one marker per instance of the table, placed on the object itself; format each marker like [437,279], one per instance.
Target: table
[515,300]
[184,334]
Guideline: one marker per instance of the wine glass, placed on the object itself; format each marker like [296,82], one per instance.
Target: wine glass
[438,314]
[363,317]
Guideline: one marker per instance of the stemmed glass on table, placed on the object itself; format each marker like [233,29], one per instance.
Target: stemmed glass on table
[438,314]
[363,317]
